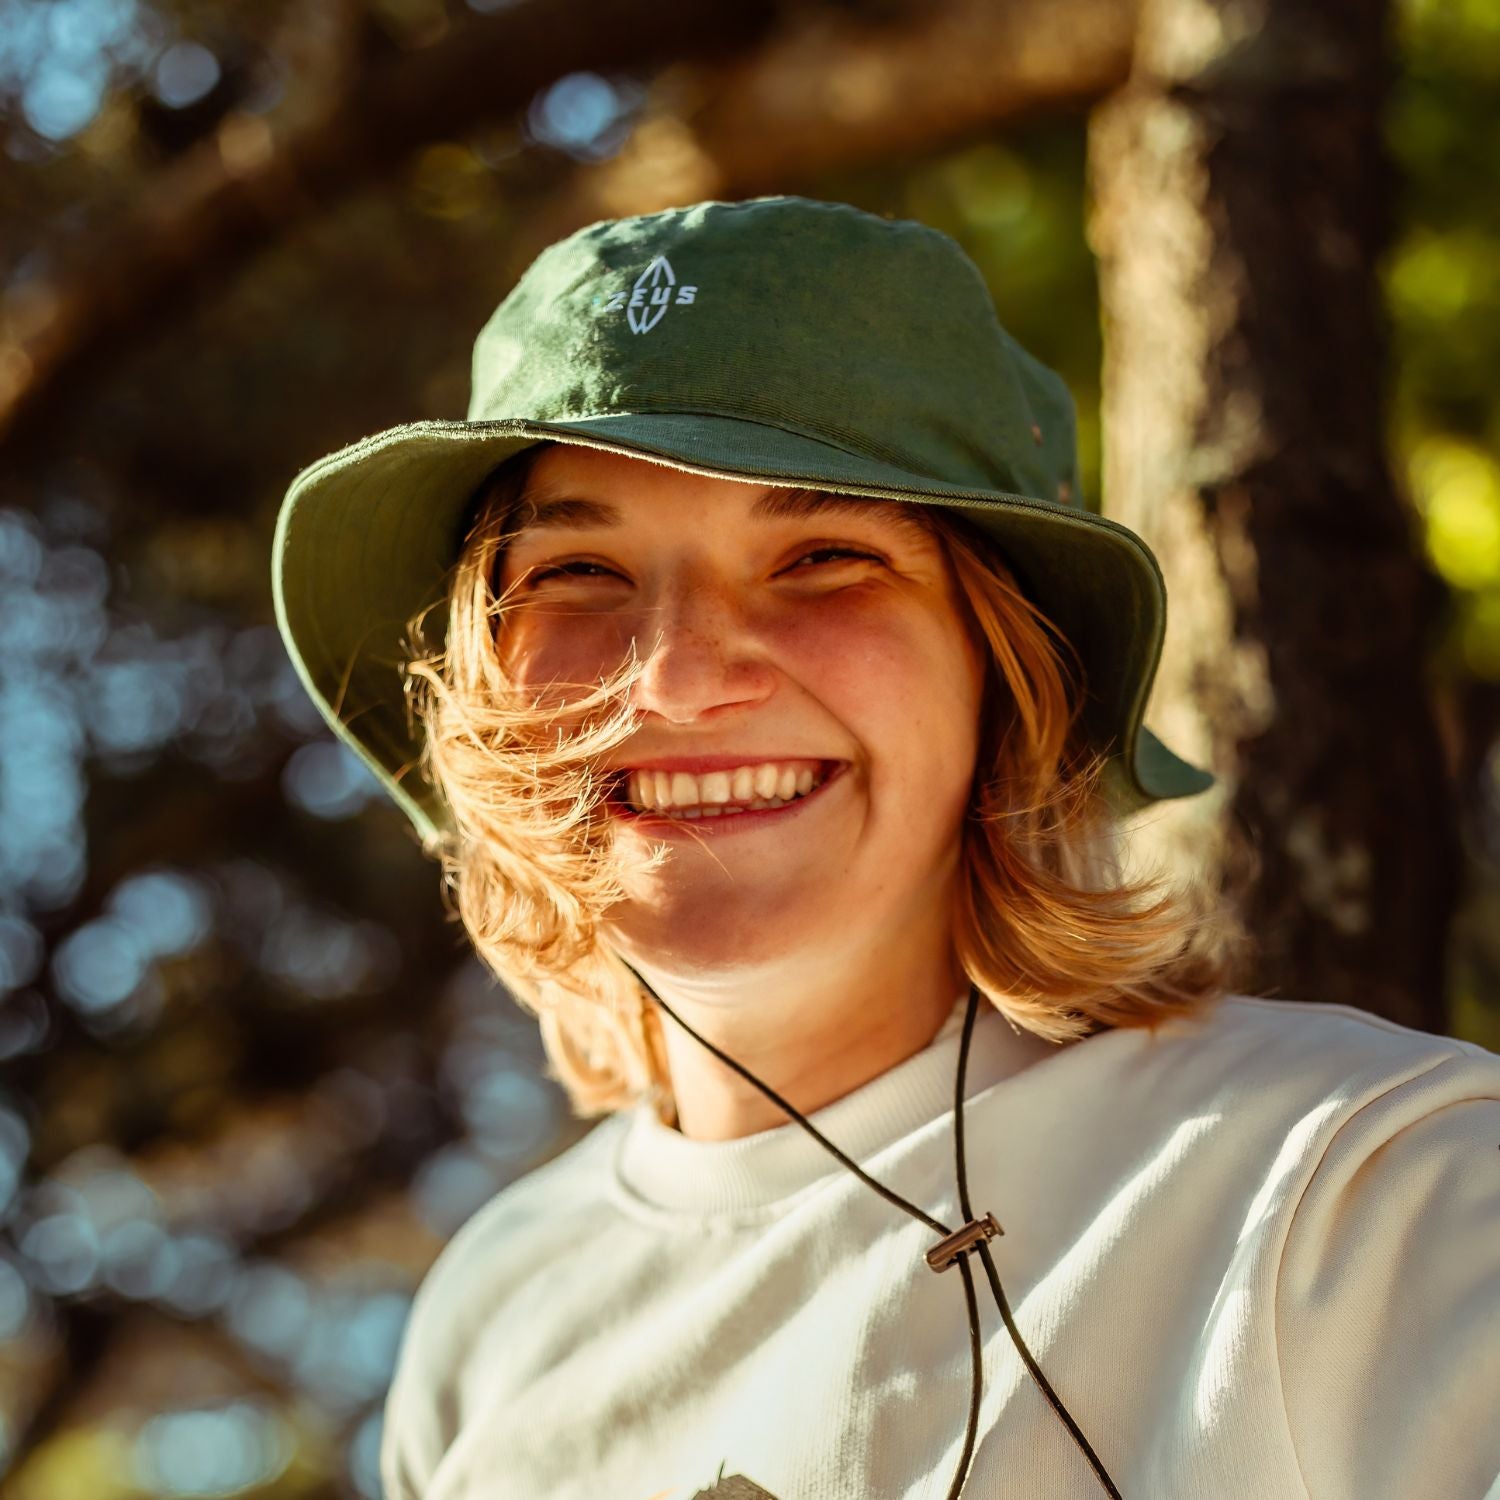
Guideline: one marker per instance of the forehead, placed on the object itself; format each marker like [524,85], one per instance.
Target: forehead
[582,489]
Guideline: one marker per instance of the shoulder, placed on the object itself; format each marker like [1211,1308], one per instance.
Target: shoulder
[1261,1018]
[479,1262]
[1373,1155]
[1387,1299]
[1391,1102]
[1336,1051]
[557,1192]
[482,1264]
[1280,1090]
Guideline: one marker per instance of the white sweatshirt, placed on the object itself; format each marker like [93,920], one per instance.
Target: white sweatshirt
[1256,1255]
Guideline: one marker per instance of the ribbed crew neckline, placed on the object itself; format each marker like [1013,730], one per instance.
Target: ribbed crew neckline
[660,1166]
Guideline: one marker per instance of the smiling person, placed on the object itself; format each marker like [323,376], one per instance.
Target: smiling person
[810,703]
[773,704]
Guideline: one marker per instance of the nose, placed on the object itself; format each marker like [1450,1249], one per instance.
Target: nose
[699,655]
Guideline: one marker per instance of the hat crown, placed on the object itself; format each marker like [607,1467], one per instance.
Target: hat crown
[877,336]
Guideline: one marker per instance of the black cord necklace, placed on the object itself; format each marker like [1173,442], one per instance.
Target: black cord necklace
[954,1247]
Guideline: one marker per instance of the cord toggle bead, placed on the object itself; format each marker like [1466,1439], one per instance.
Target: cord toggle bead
[962,1241]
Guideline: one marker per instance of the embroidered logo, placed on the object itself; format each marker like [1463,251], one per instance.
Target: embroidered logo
[646,303]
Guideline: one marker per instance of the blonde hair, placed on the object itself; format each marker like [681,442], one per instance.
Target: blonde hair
[1047,926]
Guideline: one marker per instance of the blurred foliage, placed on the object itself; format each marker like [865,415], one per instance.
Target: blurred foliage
[1443,285]
[254,1077]
[1443,293]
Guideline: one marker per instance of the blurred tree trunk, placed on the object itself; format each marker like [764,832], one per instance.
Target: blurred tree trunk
[1240,191]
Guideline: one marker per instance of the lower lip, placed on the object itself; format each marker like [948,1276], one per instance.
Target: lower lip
[726,823]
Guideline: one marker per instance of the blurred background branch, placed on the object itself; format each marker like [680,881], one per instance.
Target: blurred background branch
[833,86]
[230,194]
[828,91]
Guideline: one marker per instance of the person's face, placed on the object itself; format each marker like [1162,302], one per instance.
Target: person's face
[786,643]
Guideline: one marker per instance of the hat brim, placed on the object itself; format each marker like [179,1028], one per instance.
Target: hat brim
[367,537]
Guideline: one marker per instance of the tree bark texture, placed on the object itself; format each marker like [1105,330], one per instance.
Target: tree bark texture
[1238,209]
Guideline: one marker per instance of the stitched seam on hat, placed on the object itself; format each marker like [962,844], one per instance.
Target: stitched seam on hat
[766,416]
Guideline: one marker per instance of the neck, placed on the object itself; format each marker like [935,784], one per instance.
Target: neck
[812,1031]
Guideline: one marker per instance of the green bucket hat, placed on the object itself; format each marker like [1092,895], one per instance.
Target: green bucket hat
[781,340]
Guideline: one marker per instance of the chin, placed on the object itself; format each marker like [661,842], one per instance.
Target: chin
[705,933]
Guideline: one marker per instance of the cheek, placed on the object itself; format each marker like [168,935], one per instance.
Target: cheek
[537,650]
[907,686]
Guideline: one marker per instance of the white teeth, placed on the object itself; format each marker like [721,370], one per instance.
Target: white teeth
[681,794]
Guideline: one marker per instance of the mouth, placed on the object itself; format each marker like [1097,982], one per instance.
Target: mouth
[720,801]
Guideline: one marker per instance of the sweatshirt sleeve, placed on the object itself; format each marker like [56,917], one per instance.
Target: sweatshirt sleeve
[1388,1299]
[421,1413]
[411,1438]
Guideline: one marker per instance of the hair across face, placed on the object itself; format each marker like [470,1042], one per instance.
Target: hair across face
[608,611]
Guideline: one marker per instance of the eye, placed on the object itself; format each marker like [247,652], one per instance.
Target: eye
[821,554]
[570,570]
[592,570]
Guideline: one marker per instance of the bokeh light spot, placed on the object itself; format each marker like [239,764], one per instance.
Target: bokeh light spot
[140,1261]
[271,1310]
[363,1456]
[328,780]
[20,952]
[450,1185]
[63,1250]
[15,1302]
[582,114]
[184,73]
[212,1451]
[15,1145]
[99,965]
[61,99]
[169,911]
[1457,489]
[206,1274]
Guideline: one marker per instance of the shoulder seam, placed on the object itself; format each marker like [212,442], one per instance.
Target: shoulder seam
[1368,1018]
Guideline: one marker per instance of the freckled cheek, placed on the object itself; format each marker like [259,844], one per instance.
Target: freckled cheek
[909,697]
[838,660]
[577,649]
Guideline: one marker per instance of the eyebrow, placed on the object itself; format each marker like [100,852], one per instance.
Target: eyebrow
[576,513]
